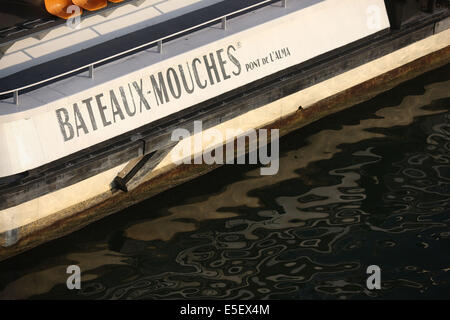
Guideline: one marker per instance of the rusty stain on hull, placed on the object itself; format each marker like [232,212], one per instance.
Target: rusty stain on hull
[77,217]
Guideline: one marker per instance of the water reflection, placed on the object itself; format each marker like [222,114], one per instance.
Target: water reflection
[354,189]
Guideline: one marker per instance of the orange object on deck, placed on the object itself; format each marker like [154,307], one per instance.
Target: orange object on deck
[91,5]
[59,8]
[116,1]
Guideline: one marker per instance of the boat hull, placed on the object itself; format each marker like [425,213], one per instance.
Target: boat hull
[287,100]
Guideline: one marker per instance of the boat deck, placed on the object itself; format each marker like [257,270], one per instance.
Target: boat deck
[137,39]
[65,135]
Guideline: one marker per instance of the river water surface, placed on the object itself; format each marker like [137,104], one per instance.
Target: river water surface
[367,186]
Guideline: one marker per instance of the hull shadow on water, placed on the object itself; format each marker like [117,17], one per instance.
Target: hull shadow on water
[370,185]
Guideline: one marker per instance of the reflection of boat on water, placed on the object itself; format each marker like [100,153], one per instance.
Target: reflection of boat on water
[87,109]
[204,235]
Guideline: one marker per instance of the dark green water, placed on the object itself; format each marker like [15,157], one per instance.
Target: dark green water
[368,186]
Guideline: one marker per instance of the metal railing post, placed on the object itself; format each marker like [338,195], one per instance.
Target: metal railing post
[284,3]
[91,71]
[224,23]
[16,97]
[160,48]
